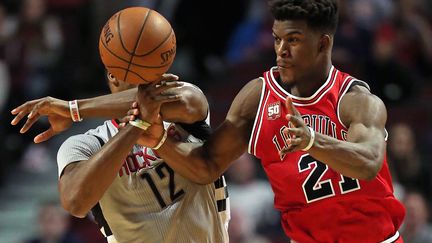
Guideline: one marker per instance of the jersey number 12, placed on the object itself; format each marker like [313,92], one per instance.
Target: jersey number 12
[174,194]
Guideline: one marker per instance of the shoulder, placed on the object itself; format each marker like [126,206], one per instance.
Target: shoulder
[77,148]
[251,91]
[189,88]
[194,101]
[359,104]
[81,142]
[192,92]
[247,100]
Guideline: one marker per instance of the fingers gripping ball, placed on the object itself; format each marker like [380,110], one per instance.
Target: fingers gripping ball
[137,45]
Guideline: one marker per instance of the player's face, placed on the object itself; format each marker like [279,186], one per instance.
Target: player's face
[297,49]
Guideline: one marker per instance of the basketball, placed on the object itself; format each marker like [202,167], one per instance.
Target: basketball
[137,45]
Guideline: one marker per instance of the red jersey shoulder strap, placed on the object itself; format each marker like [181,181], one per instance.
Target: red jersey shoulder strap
[258,118]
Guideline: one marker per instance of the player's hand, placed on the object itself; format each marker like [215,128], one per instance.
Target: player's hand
[150,97]
[297,132]
[56,110]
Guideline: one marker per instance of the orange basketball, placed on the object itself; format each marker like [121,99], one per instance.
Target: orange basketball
[137,45]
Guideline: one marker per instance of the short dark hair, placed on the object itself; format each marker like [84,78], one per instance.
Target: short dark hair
[319,14]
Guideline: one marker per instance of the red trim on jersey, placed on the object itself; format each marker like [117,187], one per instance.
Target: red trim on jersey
[274,85]
[114,122]
[257,124]
[346,83]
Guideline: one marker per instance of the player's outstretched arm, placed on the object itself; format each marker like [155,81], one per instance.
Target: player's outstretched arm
[107,106]
[203,163]
[361,155]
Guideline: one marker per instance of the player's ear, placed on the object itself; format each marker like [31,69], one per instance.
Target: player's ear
[324,43]
[112,80]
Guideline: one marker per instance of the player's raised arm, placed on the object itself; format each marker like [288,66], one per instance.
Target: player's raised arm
[203,163]
[361,155]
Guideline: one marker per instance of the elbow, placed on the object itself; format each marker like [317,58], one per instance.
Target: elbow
[369,174]
[372,168]
[207,173]
[73,204]
[75,208]
[205,178]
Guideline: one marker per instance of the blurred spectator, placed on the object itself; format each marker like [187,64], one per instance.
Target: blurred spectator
[4,85]
[409,34]
[7,29]
[32,55]
[86,229]
[199,32]
[416,228]
[352,42]
[368,13]
[34,51]
[388,78]
[238,230]
[53,224]
[405,160]
[248,39]
[253,200]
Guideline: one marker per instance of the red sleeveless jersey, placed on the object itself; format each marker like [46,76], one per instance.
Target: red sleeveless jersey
[317,203]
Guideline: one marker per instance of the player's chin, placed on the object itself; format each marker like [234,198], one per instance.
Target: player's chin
[286,74]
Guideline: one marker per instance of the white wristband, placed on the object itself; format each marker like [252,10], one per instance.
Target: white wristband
[74,111]
[162,141]
[311,141]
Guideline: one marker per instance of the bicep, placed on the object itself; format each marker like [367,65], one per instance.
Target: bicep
[365,116]
[66,179]
[231,138]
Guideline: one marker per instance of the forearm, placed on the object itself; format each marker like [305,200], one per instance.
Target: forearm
[85,185]
[204,163]
[356,160]
[189,160]
[109,106]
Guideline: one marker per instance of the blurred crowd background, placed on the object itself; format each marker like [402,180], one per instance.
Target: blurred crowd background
[49,47]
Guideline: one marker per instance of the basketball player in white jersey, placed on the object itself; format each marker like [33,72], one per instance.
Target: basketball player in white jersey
[133,195]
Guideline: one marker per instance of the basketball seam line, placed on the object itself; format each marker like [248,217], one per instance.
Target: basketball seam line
[120,36]
[136,44]
[163,42]
[122,59]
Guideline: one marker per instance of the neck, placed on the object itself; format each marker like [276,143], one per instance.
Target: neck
[310,83]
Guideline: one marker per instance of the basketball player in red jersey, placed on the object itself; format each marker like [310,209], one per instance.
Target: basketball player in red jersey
[318,132]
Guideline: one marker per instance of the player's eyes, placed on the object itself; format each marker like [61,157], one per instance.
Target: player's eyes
[293,40]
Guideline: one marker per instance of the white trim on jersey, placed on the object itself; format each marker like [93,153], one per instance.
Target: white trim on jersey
[320,90]
[393,238]
[111,239]
[253,140]
[341,95]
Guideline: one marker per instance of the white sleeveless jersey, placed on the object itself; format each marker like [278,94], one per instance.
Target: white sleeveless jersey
[148,201]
